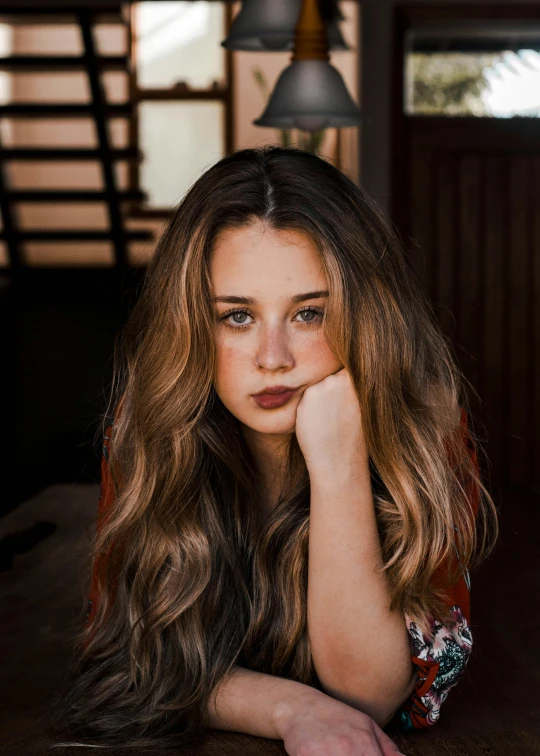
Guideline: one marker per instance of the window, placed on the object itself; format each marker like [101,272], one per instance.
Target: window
[487,71]
[181,83]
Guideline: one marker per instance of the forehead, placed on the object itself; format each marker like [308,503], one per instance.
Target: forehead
[257,257]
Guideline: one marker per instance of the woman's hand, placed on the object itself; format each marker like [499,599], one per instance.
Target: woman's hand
[329,425]
[319,725]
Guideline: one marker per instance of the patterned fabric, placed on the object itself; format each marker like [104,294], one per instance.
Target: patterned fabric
[440,657]
[440,660]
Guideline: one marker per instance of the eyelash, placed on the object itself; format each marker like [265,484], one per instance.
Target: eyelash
[241,326]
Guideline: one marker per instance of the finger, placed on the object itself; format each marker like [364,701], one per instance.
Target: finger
[386,744]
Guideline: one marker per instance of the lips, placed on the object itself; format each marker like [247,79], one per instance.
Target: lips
[276,390]
[271,401]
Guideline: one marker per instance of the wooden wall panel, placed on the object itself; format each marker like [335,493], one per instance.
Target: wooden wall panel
[492,385]
[518,351]
[474,236]
[534,471]
[468,253]
[445,240]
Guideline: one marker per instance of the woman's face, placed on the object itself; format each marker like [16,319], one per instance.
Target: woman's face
[285,337]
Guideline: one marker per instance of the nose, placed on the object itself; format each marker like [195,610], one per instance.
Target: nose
[274,349]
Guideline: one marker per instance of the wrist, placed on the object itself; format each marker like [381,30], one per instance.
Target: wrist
[339,474]
[287,709]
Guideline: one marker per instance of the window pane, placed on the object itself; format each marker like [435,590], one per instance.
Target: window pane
[179,141]
[179,41]
[6,49]
[491,72]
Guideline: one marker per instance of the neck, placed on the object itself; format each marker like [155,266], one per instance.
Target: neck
[269,453]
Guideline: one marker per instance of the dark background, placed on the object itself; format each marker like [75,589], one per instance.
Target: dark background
[60,328]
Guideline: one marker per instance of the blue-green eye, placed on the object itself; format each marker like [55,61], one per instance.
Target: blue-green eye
[315,320]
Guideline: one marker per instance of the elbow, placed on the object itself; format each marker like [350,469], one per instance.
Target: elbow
[388,713]
[381,704]
[394,701]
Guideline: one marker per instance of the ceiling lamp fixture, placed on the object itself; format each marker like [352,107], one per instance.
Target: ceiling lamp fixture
[268,25]
[310,94]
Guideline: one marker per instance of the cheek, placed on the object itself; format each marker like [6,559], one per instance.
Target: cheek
[230,354]
[317,351]
[231,360]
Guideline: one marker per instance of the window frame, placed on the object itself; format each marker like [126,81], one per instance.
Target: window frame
[137,94]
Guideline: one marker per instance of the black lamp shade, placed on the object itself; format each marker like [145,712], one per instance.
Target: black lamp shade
[310,95]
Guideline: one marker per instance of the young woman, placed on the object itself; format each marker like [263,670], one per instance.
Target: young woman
[290,565]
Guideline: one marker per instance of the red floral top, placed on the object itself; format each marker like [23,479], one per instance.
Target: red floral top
[440,657]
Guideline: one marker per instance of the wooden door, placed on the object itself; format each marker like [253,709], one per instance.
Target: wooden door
[466,197]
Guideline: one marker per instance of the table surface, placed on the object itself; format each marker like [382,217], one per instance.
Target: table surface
[494,709]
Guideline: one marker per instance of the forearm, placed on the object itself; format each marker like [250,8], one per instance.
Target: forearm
[252,702]
[360,649]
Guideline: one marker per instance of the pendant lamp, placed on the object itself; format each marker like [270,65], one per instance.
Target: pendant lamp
[310,94]
[268,25]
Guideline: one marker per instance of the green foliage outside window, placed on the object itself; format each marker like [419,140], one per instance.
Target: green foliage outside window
[449,83]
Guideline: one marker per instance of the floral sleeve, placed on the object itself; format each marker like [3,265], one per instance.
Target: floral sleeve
[440,657]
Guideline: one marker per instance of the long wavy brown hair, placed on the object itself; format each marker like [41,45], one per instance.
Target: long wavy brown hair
[193,584]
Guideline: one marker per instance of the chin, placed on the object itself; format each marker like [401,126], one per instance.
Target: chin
[271,422]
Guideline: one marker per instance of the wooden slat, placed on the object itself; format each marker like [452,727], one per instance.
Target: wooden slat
[73,110]
[71,195]
[99,107]
[535,301]
[69,153]
[518,317]
[9,217]
[180,92]
[495,219]
[62,11]
[39,63]
[421,221]
[78,235]
[469,311]
[445,248]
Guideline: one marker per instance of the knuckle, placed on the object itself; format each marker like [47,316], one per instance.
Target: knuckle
[345,744]
[342,745]
[365,737]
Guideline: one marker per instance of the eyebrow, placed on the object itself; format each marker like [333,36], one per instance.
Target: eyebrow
[233,299]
